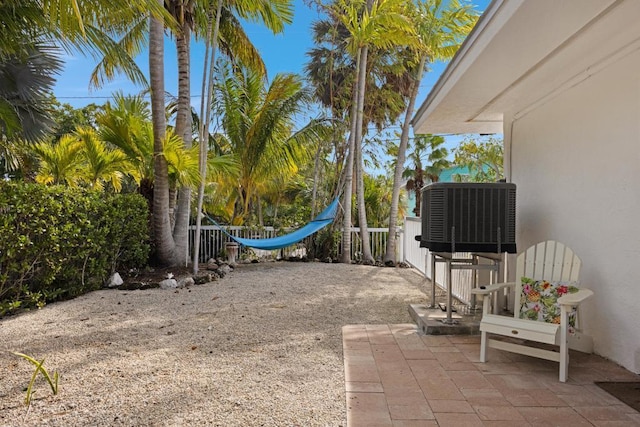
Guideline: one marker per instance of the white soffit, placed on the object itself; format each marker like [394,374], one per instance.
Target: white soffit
[522,53]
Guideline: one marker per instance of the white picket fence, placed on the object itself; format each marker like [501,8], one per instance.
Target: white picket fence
[421,259]
[213,239]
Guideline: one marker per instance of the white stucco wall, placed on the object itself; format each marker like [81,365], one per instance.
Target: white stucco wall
[576,162]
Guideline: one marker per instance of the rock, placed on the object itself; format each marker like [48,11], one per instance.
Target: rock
[203,278]
[212,264]
[115,280]
[168,284]
[327,260]
[389,263]
[186,281]
[225,268]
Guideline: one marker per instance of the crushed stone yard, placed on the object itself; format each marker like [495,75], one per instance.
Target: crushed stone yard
[261,347]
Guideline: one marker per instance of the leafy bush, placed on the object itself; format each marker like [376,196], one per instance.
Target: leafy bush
[324,244]
[57,242]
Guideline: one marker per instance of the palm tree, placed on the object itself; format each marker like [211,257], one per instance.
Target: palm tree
[235,44]
[101,163]
[429,159]
[164,243]
[25,81]
[59,163]
[127,125]
[258,125]
[331,70]
[378,23]
[274,14]
[77,25]
[440,30]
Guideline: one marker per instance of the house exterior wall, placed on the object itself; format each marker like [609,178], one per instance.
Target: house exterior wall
[576,162]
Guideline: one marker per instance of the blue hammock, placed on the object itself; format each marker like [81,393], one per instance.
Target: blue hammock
[325,218]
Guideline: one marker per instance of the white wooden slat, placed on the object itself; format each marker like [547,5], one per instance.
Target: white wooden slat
[572,264]
[523,267]
[552,269]
[530,259]
[527,351]
[559,262]
[541,249]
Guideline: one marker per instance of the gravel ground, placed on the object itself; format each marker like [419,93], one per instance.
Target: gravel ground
[261,347]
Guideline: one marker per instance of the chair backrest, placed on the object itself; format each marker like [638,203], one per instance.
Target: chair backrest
[551,269]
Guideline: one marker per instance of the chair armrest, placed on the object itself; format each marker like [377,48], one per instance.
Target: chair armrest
[492,288]
[575,298]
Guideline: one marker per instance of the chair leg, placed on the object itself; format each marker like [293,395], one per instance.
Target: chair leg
[564,345]
[484,346]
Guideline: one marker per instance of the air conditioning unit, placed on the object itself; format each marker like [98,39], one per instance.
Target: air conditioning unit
[468,217]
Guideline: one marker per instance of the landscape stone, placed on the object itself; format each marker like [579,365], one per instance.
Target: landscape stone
[184,282]
[168,284]
[115,280]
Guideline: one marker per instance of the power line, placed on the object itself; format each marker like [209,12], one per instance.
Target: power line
[84,97]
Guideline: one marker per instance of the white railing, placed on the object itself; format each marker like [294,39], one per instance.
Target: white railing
[413,253]
[421,259]
[213,239]
[377,243]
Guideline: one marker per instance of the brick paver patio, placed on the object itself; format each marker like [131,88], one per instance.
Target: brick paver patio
[397,377]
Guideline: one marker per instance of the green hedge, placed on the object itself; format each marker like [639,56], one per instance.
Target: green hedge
[57,242]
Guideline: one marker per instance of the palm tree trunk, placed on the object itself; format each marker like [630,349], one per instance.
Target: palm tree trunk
[316,179]
[367,258]
[205,118]
[173,199]
[165,245]
[390,252]
[348,174]
[259,210]
[183,129]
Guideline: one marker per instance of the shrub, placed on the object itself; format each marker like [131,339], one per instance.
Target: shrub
[324,244]
[57,242]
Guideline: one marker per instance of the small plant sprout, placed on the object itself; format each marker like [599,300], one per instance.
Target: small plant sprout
[39,368]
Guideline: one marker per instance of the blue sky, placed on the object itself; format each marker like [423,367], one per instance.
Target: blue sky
[285,52]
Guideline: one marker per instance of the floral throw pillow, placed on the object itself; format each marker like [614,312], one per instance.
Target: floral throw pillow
[539,300]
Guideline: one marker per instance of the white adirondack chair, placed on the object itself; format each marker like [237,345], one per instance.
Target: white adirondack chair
[546,273]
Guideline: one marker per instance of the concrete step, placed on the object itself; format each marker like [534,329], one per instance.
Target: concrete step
[430,320]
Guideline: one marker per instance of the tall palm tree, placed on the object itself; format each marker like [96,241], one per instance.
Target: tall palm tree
[379,23]
[162,233]
[440,28]
[331,70]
